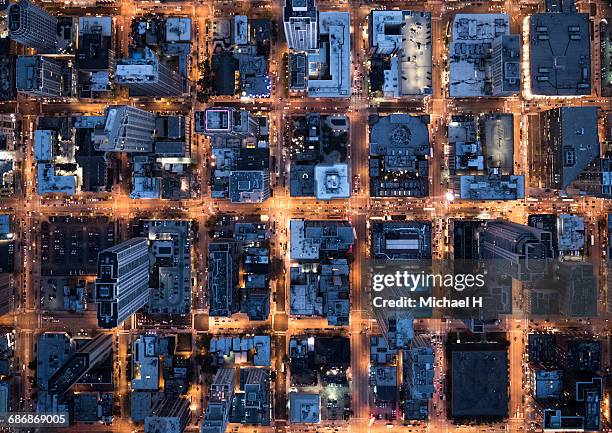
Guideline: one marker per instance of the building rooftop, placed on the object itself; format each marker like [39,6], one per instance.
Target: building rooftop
[574,142]
[322,294]
[222,279]
[419,365]
[548,384]
[571,233]
[86,407]
[383,379]
[240,350]
[240,30]
[332,181]
[51,183]
[559,54]
[311,240]
[298,71]
[406,34]
[254,78]
[506,67]
[170,272]
[53,350]
[399,149]
[401,240]
[304,408]
[140,405]
[470,52]
[479,381]
[300,9]
[178,29]
[43,145]
[305,298]
[145,363]
[492,187]
[329,68]
[94,50]
[249,186]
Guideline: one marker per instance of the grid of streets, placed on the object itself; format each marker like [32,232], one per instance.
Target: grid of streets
[29,209]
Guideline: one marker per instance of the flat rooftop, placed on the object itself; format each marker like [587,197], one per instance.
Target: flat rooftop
[479,383]
[560,54]
[471,52]
[329,68]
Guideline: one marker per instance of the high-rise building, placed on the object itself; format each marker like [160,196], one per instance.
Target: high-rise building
[80,362]
[524,251]
[226,122]
[95,48]
[170,415]
[569,144]
[122,285]
[39,76]
[506,65]
[125,129]
[300,20]
[222,280]
[330,65]
[6,293]
[32,26]
[217,412]
[146,74]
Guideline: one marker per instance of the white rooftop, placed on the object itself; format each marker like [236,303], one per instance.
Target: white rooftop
[332,181]
[337,25]
[178,29]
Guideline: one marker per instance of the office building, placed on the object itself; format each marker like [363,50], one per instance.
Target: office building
[92,353]
[216,416]
[418,376]
[481,157]
[222,280]
[298,73]
[400,44]
[330,66]
[332,181]
[125,129]
[95,52]
[145,363]
[94,57]
[559,54]
[169,415]
[226,122]
[479,379]
[252,403]
[300,22]
[147,75]
[170,266]
[399,152]
[249,186]
[409,240]
[7,71]
[6,293]
[32,26]
[304,408]
[39,76]
[471,56]
[569,143]
[524,251]
[506,65]
[122,284]
[50,179]
[318,240]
